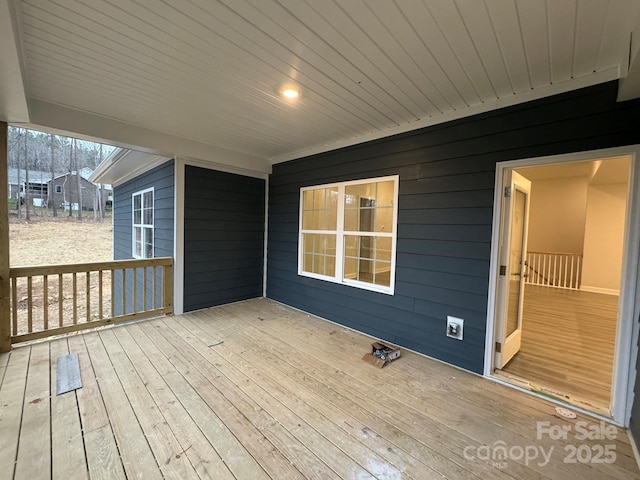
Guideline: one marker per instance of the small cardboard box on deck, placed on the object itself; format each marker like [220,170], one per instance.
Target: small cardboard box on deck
[381,354]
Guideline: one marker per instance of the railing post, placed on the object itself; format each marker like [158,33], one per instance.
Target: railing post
[167,287]
[5,288]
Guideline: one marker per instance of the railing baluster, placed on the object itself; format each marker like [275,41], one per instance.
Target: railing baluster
[571,277]
[124,291]
[579,275]
[88,278]
[29,304]
[45,301]
[113,293]
[135,290]
[60,301]
[144,289]
[100,299]
[153,284]
[14,300]
[75,298]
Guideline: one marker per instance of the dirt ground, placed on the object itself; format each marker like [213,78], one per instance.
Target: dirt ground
[53,242]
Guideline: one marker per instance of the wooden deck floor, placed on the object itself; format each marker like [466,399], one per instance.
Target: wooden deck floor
[257,390]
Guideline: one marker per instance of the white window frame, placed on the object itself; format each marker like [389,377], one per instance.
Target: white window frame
[340,234]
[144,226]
[58,189]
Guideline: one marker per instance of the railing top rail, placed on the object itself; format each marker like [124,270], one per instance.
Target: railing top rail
[555,253]
[16,272]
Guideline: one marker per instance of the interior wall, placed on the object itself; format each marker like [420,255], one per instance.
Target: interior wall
[604,237]
[557,213]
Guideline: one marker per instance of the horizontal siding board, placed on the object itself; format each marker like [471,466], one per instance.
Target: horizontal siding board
[447,176]
[224,282]
[224,220]
[450,281]
[446,248]
[446,216]
[434,263]
[447,200]
[460,232]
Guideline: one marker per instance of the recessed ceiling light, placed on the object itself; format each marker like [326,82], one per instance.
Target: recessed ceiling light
[290,92]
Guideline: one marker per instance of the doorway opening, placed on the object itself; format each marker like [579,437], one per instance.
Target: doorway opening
[560,277]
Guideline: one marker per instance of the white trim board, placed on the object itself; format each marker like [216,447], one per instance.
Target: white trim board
[178,236]
[623,379]
[604,291]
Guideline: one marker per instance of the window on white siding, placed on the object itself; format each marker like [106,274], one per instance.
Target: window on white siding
[348,233]
[142,203]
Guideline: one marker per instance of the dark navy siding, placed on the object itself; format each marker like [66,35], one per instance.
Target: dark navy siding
[223,237]
[162,179]
[447,175]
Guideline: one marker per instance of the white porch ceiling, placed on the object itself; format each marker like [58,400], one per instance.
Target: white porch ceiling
[208,72]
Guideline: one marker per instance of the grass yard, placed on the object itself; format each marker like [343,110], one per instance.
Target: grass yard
[52,242]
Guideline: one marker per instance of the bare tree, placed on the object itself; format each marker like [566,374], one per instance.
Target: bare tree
[19,195]
[75,155]
[103,200]
[51,200]
[73,141]
[27,197]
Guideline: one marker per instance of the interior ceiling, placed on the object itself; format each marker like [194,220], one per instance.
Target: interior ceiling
[210,71]
[599,172]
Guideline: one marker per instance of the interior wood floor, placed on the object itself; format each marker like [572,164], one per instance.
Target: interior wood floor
[568,339]
[256,390]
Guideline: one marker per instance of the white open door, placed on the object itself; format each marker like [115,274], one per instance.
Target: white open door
[513,267]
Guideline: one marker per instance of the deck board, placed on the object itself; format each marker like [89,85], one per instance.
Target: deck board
[67,446]
[259,390]
[34,459]
[137,458]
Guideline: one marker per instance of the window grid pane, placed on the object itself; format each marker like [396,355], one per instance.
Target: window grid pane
[320,209]
[319,253]
[364,232]
[368,259]
[142,217]
[368,207]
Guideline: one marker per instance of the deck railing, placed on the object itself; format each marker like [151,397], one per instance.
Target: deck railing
[551,269]
[55,299]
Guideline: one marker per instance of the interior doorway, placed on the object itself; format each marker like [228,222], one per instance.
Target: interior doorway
[563,228]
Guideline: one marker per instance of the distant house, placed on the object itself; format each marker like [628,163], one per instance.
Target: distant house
[64,191]
[38,183]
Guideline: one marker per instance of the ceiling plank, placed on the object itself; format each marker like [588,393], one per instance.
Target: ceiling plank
[13,101]
[590,23]
[532,19]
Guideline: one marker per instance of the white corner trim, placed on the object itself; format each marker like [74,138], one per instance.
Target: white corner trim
[178,237]
[266,237]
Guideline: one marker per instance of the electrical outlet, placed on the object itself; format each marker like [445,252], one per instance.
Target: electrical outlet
[454,327]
